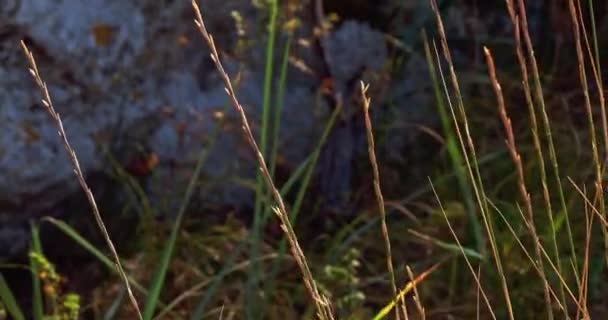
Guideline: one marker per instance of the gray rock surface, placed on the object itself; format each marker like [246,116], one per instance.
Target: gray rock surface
[112,67]
[137,73]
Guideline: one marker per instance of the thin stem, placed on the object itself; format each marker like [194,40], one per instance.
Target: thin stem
[378,192]
[323,309]
[521,181]
[48,104]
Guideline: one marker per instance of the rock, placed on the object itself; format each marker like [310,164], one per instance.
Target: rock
[354,52]
[135,75]
[128,73]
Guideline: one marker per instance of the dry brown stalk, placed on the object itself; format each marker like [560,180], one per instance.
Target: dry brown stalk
[464,255]
[521,180]
[417,300]
[48,104]
[584,283]
[321,303]
[472,165]
[547,126]
[583,80]
[525,250]
[378,192]
[519,23]
[598,81]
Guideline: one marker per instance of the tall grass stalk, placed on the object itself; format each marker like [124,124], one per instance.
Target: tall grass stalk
[274,152]
[486,300]
[309,169]
[584,281]
[594,61]
[454,153]
[540,158]
[379,198]
[540,100]
[591,122]
[560,276]
[596,67]
[259,211]
[321,303]
[472,164]
[521,181]
[527,253]
[48,104]
[278,105]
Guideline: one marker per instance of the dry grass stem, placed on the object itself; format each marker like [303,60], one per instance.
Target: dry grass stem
[417,300]
[589,203]
[472,165]
[48,104]
[322,306]
[464,255]
[584,285]
[584,84]
[525,251]
[378,192]
[547,126]
[521,181]
[597,76]
[520,25]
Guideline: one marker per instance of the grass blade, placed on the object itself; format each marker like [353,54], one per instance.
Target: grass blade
[8,300]
[454,153]
[37,301]
[89,247]
[160,273]
[322,305]
[50,109]
[380,198]
[308,168]
[261,211]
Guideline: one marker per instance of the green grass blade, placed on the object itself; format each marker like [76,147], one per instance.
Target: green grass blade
[276,125]
[259,212]
[100,256]
[37,300]
[454,153]
[158,280]
[85,244]
[160,273]
[295,176]
[70,232]
[453,248]
[310,168]
[295,210]
[8,300]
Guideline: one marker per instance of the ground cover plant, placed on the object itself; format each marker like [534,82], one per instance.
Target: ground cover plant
[509,222]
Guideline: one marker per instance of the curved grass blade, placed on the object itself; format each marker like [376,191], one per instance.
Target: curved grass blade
[85,244]
[8,300]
